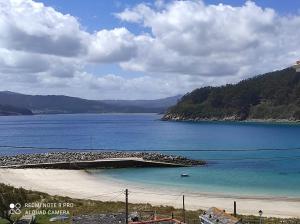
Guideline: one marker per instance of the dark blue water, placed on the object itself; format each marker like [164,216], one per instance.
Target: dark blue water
[239,170]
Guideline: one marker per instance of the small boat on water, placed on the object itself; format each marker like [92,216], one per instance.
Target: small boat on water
[185,175]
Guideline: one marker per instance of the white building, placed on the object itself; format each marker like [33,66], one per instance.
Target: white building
[297,66]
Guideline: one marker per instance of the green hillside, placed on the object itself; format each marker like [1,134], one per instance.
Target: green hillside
[272,96]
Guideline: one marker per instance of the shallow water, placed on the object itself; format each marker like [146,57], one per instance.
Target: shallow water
[232,166]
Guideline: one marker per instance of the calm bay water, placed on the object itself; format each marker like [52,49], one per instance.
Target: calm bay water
[237,171]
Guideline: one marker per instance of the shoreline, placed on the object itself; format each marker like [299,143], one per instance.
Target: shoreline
[247,121]
[193,192]
[82,185]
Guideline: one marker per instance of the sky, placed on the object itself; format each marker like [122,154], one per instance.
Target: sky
[134,49]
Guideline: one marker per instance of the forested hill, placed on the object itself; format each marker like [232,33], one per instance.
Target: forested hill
[60,104]
[272,96]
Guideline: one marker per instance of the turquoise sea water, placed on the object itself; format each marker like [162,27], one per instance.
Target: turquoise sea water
[232,166]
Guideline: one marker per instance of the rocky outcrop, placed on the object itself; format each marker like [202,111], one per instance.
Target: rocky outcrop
[178,117]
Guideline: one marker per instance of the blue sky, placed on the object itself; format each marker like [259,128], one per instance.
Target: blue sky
[142,49]
[98,14]
[95,15]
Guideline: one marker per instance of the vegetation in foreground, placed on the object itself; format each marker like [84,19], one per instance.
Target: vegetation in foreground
[272,96]
[10,194]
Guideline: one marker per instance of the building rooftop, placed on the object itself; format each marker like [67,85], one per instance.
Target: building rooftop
[99,219]
[215,215]
[159,221]
[117,218]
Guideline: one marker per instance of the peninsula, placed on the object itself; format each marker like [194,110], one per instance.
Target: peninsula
[269,97]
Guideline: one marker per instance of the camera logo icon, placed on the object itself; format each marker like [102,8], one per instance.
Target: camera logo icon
[15,209]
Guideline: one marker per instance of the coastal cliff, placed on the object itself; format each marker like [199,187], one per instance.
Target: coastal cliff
[274,96]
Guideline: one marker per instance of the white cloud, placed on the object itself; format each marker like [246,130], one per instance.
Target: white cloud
[192,38]
[138,14]
[112,46]
[44,50]
[183,45]
[32,27]
[19,62]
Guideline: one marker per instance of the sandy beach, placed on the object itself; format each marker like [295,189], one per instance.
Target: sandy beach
[80,184]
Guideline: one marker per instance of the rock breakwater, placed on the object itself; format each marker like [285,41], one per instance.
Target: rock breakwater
[75,157]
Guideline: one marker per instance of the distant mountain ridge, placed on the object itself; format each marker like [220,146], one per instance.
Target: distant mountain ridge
[7,110]
[166,102]
[60,104]
[274,96]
